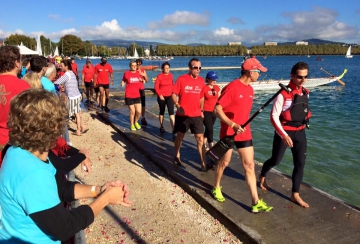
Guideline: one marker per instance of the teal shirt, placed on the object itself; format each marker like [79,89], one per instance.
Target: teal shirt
[48,85]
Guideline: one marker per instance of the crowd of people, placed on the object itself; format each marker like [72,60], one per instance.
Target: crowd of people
[33,133]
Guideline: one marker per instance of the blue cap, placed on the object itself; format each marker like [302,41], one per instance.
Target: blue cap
[211,75]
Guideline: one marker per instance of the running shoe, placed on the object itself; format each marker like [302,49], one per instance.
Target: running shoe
[137,126]
[132,127]
[144,122]
[261,207]
[106,109]
[217,194]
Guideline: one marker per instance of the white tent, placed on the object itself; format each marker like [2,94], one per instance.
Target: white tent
[26,51]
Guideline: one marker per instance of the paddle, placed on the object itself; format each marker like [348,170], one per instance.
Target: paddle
[340,81]
[222,146]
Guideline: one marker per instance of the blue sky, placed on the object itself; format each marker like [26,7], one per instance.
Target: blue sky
[185,21]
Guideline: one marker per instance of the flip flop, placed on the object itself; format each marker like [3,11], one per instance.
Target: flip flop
[83,132]
[75,134]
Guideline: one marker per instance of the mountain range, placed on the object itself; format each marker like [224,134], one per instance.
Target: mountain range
[146,44]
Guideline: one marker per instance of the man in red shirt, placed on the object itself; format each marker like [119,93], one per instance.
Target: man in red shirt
[10,86]
[87,79]
[101,79]
[188,88]
[74,67]
[233,109]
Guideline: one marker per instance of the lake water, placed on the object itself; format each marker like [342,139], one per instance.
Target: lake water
[332,163]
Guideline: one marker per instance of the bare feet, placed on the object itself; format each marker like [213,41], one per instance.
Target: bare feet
[295,197]
[262,182]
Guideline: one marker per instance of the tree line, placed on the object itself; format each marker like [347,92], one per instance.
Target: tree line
[70,45]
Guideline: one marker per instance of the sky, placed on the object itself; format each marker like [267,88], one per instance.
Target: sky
[185,21]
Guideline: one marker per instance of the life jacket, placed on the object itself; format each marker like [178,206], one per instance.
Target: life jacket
[298,114]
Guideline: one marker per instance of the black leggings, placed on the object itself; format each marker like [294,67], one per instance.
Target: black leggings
[167,102]
[209,121]
[299,156]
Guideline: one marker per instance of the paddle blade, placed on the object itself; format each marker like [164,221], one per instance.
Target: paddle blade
[220,148]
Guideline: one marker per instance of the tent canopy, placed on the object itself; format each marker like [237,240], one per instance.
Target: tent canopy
[27,51]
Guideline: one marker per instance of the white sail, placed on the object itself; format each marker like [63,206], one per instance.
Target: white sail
[348,53]
[56,53]
[136,55]
[38,46]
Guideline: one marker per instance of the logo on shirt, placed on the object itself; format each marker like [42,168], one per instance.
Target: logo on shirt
[134,79]
[187,88]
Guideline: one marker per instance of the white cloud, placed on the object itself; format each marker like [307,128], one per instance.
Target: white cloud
[222,31]
[180,18]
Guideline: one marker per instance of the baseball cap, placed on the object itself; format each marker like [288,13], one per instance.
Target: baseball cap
[253,64]
[211,75]
[88,61]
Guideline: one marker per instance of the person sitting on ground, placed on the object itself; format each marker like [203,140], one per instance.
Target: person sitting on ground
[164,85]
[32,196]
[132,78]
[73,93]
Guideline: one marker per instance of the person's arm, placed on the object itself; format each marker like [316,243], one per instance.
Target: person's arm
[145,76]
[83,78]
[62,80]
[65,165]
[219,113]
[112,78]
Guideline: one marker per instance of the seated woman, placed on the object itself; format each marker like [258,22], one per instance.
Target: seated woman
[30,195]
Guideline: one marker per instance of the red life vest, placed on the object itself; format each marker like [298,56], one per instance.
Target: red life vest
[299,112]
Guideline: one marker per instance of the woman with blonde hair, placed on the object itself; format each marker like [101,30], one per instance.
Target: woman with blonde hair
[33,80]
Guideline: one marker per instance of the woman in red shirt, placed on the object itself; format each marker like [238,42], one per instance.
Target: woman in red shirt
[210,93]
[163,87]
[132,79]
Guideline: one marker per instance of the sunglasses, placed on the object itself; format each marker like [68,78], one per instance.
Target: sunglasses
[196,67]
[301,77]
[256,70]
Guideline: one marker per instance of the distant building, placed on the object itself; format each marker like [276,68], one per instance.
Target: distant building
[270,43]
[302,43]
[234,43]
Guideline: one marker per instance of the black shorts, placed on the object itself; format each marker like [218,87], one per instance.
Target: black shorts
[89,84]
[183,123]
[243,144]
[96,89]
[131,101]
[142,96]
[105,86]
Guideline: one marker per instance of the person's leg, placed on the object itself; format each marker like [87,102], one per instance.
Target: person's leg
[91,92]
[200,144]
[299,156]
[178,142]
[142,97]
[211,131]
[171,110]
[208,125]
[78,124]
[161,111]
[87,91]
[107,94]
[102,97]
[247,159]
[131,114]
[137,112]
[218,173]
[278,151]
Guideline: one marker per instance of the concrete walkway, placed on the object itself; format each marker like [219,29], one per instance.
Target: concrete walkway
[328,220]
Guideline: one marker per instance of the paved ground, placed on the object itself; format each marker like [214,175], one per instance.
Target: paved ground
[162,212]
[328,220]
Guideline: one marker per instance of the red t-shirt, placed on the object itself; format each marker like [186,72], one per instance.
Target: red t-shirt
[188,89]
[132,81]
[236,100]
[102,72]
[141,84]
[164,84]
[210,97]
[74,68]
[88,73]
[11,86]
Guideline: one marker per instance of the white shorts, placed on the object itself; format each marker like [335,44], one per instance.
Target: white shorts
[74,106]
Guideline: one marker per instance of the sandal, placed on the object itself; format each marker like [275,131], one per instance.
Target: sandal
[76,133]
[177,161]
[162,129]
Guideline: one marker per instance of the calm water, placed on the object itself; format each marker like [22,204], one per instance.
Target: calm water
[333,140]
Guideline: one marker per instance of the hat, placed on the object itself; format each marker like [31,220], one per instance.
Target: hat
[103,59]
[88,61]
[253,64]
[211,75]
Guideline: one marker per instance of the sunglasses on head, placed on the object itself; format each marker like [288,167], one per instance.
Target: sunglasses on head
[301,77]
[196,67]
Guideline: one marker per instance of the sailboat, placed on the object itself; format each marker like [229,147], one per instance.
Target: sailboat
[92,56]
[38,46]
[56,53]
[136,55]
[348,53]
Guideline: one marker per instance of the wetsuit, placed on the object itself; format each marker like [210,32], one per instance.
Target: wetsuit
[289,115]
